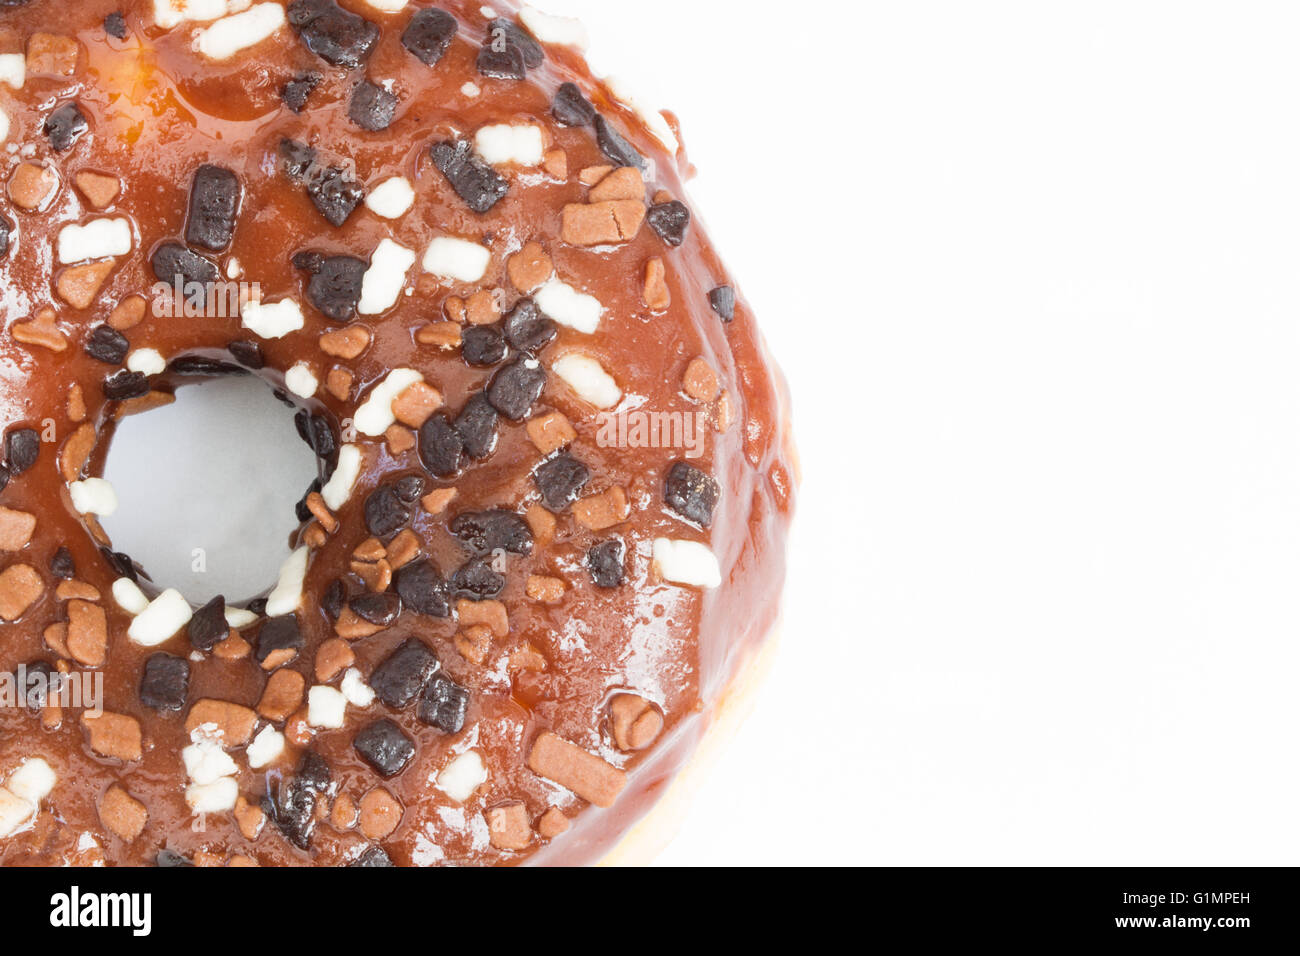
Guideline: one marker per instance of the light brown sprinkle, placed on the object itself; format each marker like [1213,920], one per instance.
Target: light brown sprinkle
[114,735]
[508,826]
[550,432]
[623,183]
[51,54]
[249,817]
[598,512]
[552,823]
[76,404]
[16,529]
[346,343]
[416,404]
[122,813]
[436,502]
[634,722]
[481,308]
[339,383]
[75,451]
[316,505]
[404,549]
[343,814]
[601,224]
[41,331]
[491,613]
[333,657]
[234,722]
[233,648]
[473,643]
[399,440]
[77,591]
[31,185]
[544,589]
[20,588]
[443,335]
[79,285]
[529,267]
[556,163]
[575,769]
[700,381]
[282,695]
[380,814]
[541,523]
[656,294]
[87,633]
[128,313]
[99,189]
[594,174]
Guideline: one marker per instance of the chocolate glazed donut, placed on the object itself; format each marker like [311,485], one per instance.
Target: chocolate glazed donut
[555,471]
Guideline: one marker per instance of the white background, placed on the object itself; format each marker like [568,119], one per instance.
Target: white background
[1031,269]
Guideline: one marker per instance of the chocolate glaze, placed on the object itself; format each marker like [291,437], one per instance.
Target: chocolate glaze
[157,111]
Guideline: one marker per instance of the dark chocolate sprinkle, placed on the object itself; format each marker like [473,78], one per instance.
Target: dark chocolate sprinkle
[297,159]
[473,180]
[62,565]
[483,345]
[410,488]
[65,126]
[723,300]
[121,563]
[22,448]
[123,385]
[443,705]
[478,580]
[483,532]
[571,108]
[247,353]
[336,596]
[214,207]
[429,34]
[300,509]
[384,747]
[6,227]
[106,344]
[379,609]
[670,220]
[257,606]
[323,442]
[691,493]
[4,477]
[605,561]
[527,330]
[296,91]
[170,858]
[504,32]
[335,285]
[516,387]
[403,673]
[115,25]
[560,480]
[613,145]
[386,514]
[335,194]
[314,772]
[503,63]
[441,447]
[279,634]
[374,857]
[208,627]
[42,682]
[293,812]
[166,682]
[173,263]
[477,426]
[372,107]
[337,36]
[423,590]
[202,365]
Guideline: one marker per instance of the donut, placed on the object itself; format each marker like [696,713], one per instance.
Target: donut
[545,552]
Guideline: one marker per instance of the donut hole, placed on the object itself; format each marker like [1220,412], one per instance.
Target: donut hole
[207,489]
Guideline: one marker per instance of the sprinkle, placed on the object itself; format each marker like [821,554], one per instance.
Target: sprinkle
[94,496]
[32,781]
[231,34]
[388,6]
[392,198]
[383,281]
[265,748]
[355,689]
[568,306]
[129,597]
[326,707]
[562,31]
[165,615]
[171,13]
[589,380]
[375,415]
[300,380]
[287,595]
[239,617]
[460,259]
[504,143]
[13,69]
[274,320]
[216,797]
[205,760]
[687,562]
[339,488]
[146,362]
[460,778]
[652,118]
[95,240]
[471,90]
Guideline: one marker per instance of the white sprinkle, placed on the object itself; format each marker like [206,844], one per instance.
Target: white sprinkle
[568,306]
[13,69]
[450,258]
[563,31]
[287,596]
[95,240]
[392,199]
[94,496]
[170,13]
[238,617]
[388,6]
[14,812]
[488,12]
[653,119]
[510,144]
[338,489]
[382,283]
[216,797]
[471,90]
[129,597]
[4,126]
[355,689]
[146,361]
[301,380]
[460,778]
[234,269]
[32,781]
[165,615]
[274,320]
[326,707]
[265,748]
[589,380]
[687,562]
[228,36]
[206,762]
[375,415]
